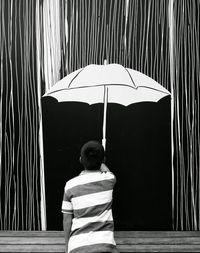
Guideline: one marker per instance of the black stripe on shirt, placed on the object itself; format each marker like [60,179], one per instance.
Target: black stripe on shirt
[92,210]
[94,226]
[103,247]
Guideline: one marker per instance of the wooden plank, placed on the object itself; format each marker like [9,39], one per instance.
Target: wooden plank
[129,241]
[127,234]
[32,233]
[159,248]
[32,240]
[165,234]
[159,241]
[30,248]
[124,248]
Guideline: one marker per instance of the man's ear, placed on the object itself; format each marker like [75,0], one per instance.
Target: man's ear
[80,160]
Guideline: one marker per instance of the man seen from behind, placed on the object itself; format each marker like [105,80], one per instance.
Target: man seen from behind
[87,205]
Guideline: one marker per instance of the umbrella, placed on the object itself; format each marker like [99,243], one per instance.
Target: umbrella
[105,84]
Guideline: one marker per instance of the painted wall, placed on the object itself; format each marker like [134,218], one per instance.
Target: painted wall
[42,41]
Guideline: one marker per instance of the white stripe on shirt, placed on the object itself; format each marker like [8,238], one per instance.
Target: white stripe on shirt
[80,222]
[93,199]
[66,205]
[90,238]
[88,178]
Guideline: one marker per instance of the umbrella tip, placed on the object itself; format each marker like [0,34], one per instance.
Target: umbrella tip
[105,62]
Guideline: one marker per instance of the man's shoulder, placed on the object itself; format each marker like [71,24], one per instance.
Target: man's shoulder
[89,178]
[72,182]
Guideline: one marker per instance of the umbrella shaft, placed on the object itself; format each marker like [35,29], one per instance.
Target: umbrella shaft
[104,116]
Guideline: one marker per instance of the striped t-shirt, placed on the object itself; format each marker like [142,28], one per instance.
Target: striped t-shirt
[89,198]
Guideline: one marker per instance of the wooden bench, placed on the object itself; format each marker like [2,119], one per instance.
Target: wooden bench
[127,241]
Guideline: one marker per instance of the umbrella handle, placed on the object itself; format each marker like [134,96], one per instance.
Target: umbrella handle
[104,143]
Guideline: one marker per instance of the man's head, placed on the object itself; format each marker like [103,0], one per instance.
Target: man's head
[92,155]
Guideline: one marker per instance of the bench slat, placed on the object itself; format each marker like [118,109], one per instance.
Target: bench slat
[158,248]
[127,241]
[159,241]
[30,248]
[127,234]
[32,240]
[31,233]
[124,248]
[158,234]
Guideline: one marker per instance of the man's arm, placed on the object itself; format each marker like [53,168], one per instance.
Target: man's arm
[67,224]
[104,168]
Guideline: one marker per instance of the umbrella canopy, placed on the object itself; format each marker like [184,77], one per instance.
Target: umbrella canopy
[110,83]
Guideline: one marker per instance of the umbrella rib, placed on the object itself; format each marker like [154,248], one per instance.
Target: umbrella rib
[130,77]
[142,86]
[75,77]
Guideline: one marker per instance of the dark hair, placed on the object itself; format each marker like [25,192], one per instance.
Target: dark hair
[92,155]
